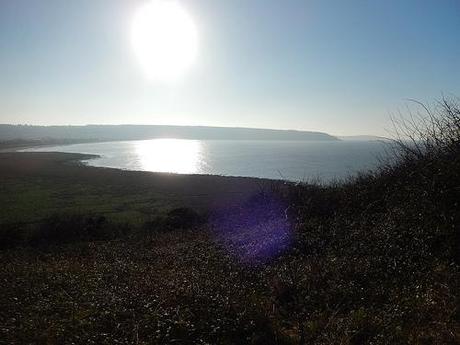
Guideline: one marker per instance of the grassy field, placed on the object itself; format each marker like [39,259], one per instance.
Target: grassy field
[37,185]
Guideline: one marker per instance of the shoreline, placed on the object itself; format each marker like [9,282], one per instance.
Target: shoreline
[90,156]
[62,183]
[307,166]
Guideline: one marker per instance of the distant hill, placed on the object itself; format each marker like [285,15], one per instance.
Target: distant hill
[362,138]
[139,132]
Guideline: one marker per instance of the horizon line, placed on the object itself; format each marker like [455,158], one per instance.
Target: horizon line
[201,126]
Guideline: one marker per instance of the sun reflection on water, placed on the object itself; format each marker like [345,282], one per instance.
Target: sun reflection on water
[179,156]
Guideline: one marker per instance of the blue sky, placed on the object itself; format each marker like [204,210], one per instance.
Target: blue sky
[336,66]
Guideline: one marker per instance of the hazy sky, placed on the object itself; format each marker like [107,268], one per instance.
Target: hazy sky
[335,66]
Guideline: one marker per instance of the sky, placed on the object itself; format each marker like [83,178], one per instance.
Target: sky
[341,67]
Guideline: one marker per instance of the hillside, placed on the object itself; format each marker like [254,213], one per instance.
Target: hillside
[373,260]
[138,132]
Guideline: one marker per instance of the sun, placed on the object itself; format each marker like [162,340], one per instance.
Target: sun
[164,39]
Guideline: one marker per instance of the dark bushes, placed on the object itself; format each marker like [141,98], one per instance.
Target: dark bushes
[177,219]
[183,218]
[378,256]
[60,229]
[73,228]
[11,236]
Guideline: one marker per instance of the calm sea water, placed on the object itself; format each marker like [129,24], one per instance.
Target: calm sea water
[290,160]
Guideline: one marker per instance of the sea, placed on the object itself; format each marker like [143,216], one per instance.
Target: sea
[303,161]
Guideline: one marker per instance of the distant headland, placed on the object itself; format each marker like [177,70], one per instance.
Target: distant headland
[141,132]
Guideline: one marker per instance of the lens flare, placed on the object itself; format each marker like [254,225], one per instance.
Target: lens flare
[257,232]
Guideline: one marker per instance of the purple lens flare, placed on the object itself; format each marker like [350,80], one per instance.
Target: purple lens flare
[256,232]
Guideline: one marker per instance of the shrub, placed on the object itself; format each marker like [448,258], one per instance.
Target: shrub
[182,218]
[73,228]
[11,236]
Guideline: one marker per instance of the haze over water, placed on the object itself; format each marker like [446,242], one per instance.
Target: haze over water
[290,160]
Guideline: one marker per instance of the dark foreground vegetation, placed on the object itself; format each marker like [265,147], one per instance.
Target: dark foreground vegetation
[373,260]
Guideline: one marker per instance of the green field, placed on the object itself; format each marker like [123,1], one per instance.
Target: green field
[37,185]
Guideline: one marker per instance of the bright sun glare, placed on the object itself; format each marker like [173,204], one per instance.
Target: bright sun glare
[170,155]
[165,39]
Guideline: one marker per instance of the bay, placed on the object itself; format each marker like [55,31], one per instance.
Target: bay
[288,160]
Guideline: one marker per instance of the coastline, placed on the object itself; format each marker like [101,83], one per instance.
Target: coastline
[64,183]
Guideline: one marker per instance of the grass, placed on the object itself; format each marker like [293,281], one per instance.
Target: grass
[37,185]
[372,260]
